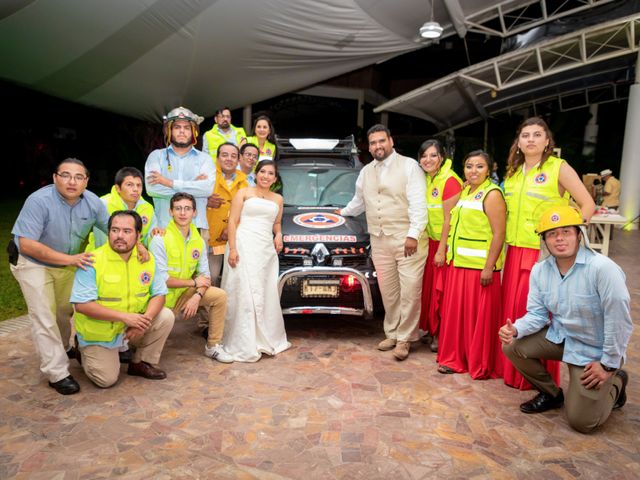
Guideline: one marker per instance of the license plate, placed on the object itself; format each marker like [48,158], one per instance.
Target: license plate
[309,290]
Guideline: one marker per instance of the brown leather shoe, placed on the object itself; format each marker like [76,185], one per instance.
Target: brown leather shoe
[387,344]
[146,370]
[402,350]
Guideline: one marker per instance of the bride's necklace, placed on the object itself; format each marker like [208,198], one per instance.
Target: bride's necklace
[260,194]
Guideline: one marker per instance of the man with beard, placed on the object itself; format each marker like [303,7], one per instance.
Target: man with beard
[585,295]
[44,253]
[392,191]
[222,132]
[120,300]
[180,167]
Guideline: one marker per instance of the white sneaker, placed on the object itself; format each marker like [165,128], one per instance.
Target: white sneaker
[217,353]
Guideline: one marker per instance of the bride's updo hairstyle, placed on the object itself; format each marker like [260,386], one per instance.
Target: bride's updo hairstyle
[263,163]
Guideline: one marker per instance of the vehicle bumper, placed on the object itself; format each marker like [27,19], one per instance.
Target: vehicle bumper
[367,307]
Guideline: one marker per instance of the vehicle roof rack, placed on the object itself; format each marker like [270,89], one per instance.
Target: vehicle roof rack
[300,147]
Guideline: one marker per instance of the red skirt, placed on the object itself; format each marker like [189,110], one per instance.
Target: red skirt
[471,318]
[432,292]
[515,289]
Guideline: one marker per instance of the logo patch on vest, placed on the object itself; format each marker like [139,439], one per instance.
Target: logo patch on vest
[434,192]
[195,254]
[145,278]
[540,179]
[318,220]
[145,219]
[478,196]
[555,218]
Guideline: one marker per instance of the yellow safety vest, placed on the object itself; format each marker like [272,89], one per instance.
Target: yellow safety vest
[268,150]
[218,218]
[527,197]
[182,257]
[114,203]
[470,234]
[435,189]
[215,139]
[122,286]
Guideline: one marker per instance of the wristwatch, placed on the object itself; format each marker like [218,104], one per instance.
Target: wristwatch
[608,369]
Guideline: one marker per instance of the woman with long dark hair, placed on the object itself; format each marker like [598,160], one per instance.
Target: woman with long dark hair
[443,192]
[472,296]
[535,180]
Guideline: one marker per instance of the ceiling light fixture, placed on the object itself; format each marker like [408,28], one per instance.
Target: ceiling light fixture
[431,30]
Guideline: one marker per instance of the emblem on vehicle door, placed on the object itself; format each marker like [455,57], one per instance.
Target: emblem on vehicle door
[319,252]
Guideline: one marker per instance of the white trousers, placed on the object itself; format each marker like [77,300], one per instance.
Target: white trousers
[400,282]
[46,291]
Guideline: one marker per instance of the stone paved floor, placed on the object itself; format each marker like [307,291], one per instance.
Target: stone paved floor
[331,407]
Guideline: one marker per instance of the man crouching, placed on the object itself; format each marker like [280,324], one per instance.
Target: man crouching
[120,300]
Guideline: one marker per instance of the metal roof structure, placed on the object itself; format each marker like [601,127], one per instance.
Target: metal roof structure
[594,60]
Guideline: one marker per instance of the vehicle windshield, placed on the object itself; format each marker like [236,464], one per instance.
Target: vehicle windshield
[315,187]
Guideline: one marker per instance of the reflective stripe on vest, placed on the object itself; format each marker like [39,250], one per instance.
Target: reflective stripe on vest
[435,189]
[215,139]
[182,257]
[115,277]
[527,197]
[268,150]
[470,234]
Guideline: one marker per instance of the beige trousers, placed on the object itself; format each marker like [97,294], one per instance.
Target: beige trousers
[46,291]
[211,312]
[400,282]
[102,365]
[586,409]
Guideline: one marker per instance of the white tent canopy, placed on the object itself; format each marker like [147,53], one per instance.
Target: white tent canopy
[141,57]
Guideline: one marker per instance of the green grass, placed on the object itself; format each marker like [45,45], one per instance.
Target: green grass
[11,300]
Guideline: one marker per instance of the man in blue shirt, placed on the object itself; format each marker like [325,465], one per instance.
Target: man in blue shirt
[180,168]
[585,296]
[120,300]
[50,233]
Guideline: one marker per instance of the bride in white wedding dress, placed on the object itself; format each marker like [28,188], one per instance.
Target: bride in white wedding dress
[254,323]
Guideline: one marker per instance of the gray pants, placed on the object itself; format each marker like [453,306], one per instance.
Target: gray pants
[586,409]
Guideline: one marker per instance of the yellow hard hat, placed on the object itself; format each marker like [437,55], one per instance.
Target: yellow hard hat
[559,216]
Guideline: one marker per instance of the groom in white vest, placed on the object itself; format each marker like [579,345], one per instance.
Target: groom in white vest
[392,191]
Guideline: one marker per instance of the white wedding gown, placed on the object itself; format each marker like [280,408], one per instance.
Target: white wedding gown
[254,323]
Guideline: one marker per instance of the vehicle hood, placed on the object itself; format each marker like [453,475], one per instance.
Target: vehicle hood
[320,224]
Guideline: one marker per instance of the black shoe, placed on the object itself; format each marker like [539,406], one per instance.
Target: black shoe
[126,356]
[542,402]
[146,370]
[66,386]
[205,333]
[74,352]
[622,395]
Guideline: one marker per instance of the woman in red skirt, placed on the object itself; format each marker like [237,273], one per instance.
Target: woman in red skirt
[443,192]
[535,180]
[471,310]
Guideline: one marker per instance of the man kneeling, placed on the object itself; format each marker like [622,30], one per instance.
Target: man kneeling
[585,295]
[120,300]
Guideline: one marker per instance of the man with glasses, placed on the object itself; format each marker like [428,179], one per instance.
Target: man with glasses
[49,237]
[182,262]
[180,168]
[249,154]
[228,181]
[222,132]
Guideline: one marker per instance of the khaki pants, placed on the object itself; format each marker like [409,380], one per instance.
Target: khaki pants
[211,312]
[102,365]
[46,291]
[400,282]
[586,409]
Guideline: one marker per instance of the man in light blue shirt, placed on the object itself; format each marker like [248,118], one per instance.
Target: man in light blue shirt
[585,296]
[50,233]
[180,168]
